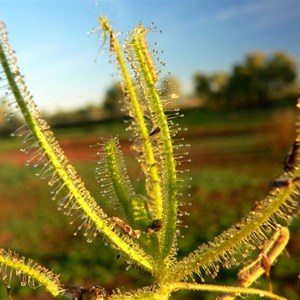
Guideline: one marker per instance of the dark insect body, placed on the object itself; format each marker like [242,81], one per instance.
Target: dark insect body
[284,182]
[291,159]
[95,292]
[155,226]
[154,131]
[77,292]
[279,183]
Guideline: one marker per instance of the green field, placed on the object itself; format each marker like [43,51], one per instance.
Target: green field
[234,157]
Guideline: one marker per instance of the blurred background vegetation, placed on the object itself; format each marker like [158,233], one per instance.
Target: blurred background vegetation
[240,126]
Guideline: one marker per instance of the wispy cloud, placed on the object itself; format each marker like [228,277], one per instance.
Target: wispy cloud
[238,11]
[260,14]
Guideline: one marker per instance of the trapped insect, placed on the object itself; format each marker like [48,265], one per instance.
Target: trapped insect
[95,292]
[76,292]
[283,182]
[154,131]
[292,157]
[155,226]
[126,228]
[279,183]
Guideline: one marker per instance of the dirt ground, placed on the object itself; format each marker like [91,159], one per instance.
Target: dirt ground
[81,149]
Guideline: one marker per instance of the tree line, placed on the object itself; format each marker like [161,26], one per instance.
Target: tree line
[258,81]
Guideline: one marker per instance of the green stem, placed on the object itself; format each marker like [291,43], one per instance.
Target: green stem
[119,177]
[151,168]
[223,289]
[169,166]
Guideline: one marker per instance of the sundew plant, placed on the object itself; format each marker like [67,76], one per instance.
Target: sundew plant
[147,227]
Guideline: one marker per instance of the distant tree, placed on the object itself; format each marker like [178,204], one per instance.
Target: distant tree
[247,82]
[210,88]
[256,81]
[202,86]
[113,100]
[218,84]
[282,71]
[89,112]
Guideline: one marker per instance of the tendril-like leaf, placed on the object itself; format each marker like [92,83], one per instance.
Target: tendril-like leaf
[252,232]
[29,273]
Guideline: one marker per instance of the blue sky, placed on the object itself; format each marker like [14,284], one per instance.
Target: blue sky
[57,56]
